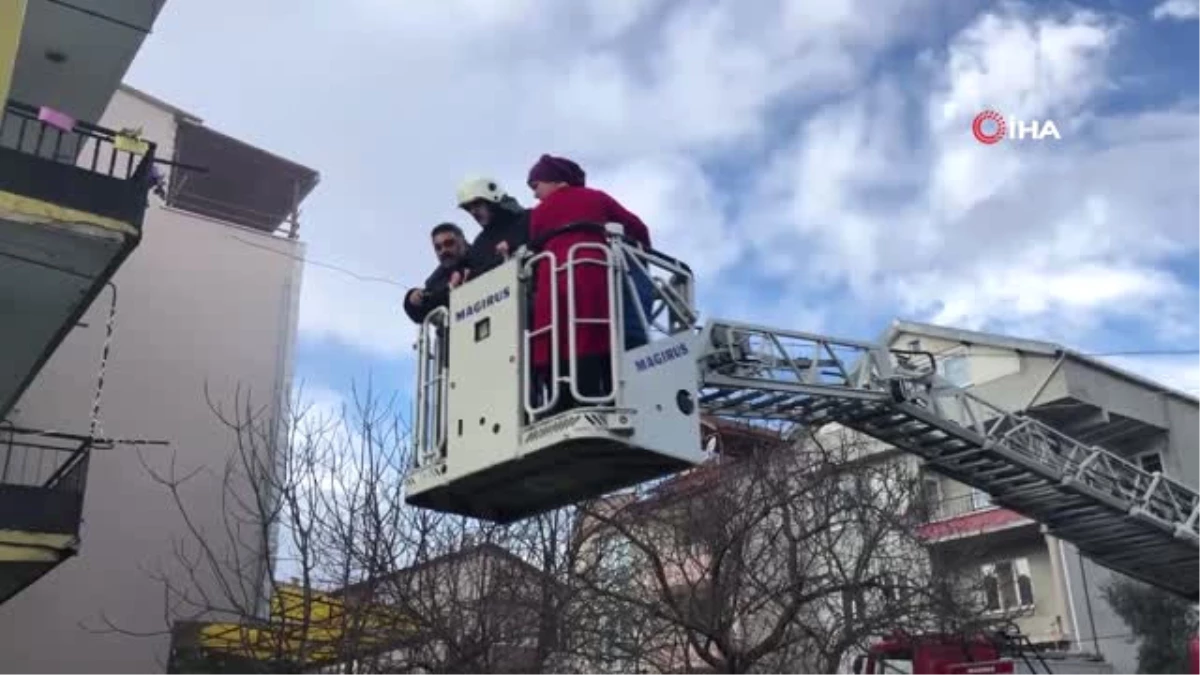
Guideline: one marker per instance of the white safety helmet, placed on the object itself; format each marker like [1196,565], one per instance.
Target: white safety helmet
[475,189]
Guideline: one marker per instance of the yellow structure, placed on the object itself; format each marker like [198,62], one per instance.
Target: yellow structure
[12,20]
[306,627]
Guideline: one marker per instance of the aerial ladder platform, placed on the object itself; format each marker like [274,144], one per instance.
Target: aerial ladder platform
[490,445]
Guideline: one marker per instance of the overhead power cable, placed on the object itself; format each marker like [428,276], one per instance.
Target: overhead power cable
[369,278]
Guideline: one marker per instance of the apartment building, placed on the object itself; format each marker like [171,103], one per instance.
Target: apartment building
[1016,568]
[760,558]
[67,222]
[477,608]
[1055,591]
[154,269]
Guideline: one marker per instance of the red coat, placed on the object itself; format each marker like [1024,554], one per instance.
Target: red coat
[563,207]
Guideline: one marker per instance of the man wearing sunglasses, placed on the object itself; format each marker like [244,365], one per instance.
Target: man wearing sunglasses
[450,247]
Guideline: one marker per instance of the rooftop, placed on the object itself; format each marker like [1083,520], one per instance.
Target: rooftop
[240,183]
[1040,347]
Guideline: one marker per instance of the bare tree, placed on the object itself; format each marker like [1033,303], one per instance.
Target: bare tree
[1162,623]
[783,560]
[315,562]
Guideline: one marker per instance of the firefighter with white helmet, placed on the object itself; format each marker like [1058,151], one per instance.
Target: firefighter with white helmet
[474,190]
[504,221]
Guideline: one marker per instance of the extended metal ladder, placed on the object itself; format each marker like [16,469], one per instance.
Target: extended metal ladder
[1142,524]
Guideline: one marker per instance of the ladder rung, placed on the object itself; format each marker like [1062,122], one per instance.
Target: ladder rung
[1025,464]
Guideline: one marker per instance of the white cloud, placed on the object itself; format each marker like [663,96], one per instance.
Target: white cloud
[923,220]
[642,95]
[782,138]
[1178,372]
[1178,10]
[317,403]
[367,316]
[673,194]
[1076,294]
[1024,67]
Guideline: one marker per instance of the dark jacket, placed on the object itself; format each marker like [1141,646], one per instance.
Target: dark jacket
[437,293]
[510,223]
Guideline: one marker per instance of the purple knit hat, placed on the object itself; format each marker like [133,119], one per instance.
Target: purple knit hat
[550,169]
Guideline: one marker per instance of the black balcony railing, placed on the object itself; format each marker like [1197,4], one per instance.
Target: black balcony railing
[44,459]
[43,475]
[86,167]
[86,146]
[961,505]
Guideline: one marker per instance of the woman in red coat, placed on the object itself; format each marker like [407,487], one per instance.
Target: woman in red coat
[559,185]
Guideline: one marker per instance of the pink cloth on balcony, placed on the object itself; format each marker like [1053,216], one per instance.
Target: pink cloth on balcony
[54,118]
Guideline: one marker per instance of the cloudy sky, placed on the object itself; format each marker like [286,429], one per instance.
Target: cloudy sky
[813,161]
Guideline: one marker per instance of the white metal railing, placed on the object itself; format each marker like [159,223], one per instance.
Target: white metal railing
[766,373]
[671,293]
[672,287]
[757,371]
[552,331]
[960,505]
[668,288]
[549,397]
[613,321]
[432,352]
[1152,495]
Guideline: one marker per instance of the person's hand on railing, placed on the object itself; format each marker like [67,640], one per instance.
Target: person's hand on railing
[502,249]
[459,278]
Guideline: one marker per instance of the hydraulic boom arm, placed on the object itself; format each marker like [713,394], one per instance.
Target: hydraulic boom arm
[504,451]
[1139,523]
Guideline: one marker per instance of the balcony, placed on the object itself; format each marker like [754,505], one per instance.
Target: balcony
[72,199]
[305,630]
[203,647]
[73,54]
[42,480]
[968,515]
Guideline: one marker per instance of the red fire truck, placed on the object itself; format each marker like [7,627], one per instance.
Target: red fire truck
[997,652]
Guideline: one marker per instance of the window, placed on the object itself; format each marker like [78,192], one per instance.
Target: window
[931,494]
[931,488]
[891,587]
[901,665]
[1007,585]
[1151,461]
[957,369]
[980,499]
